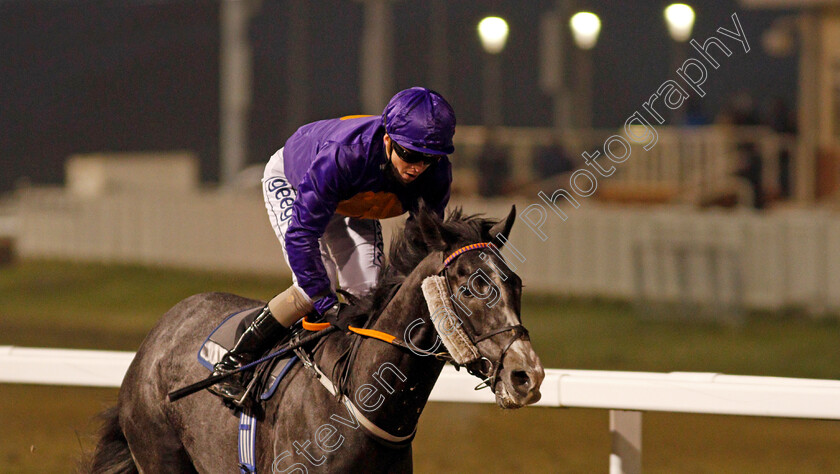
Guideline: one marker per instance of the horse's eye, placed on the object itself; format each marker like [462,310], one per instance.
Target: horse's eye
[467,293]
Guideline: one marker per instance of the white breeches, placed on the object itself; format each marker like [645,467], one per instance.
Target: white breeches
[351,249]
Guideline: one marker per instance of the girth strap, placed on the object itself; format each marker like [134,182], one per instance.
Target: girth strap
[247,443]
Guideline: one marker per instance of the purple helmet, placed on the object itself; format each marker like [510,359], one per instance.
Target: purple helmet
[420,120]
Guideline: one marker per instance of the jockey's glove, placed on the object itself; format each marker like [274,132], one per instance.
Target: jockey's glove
[343,315]
[323,303]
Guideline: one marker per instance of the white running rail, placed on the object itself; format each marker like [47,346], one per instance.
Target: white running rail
[625,394]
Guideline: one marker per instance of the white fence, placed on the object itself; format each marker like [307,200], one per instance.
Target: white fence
[739,258]
[625,394]
[768,260]
[205,229]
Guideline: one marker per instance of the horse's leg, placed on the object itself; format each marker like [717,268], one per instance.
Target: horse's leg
[203,431]
[208,431]
[154,443]
[181,437]
[145,414]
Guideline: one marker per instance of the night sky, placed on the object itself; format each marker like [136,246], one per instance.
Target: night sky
[91,76]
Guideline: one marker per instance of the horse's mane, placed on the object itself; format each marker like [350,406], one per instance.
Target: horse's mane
[424,233]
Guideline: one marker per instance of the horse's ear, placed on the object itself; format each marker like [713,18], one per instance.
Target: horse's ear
[503,228]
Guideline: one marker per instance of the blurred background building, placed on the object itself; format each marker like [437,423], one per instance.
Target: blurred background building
[213,88]
[140,75]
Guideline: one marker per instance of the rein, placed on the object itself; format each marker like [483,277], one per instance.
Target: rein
[373,334]
[483,367]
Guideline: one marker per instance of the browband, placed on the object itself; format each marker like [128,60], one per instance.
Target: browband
[461,250]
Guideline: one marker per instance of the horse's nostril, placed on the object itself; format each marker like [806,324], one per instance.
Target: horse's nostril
[520,378]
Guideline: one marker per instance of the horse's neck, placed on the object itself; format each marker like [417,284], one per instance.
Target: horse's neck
[384,373]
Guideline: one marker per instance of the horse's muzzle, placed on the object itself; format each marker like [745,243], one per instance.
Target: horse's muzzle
[520,377]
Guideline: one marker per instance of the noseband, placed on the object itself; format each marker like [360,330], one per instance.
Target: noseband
[484,366]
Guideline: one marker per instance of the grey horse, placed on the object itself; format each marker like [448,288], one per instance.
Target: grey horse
[386,386]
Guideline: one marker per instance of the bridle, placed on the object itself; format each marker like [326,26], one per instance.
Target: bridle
[483,366]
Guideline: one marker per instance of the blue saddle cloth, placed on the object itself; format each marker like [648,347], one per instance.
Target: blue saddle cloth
[268,375]
[224,337]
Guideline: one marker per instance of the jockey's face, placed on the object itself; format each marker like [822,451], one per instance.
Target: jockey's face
[404,171]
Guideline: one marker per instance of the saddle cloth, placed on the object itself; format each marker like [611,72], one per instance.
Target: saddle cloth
[224,337]
[267,376]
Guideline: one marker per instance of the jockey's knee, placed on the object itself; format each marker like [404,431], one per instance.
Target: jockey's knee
[359,288]
[289,306]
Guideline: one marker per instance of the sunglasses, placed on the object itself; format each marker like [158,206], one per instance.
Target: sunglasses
[412,157]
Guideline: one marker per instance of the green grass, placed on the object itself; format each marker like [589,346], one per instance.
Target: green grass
[601,335]
[45,303]
[45,428]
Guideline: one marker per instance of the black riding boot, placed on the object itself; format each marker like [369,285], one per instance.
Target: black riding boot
[263,332]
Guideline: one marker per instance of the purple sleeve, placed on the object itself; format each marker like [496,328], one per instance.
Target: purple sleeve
[318,195]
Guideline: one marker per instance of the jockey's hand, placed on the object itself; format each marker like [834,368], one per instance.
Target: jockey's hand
[342,316]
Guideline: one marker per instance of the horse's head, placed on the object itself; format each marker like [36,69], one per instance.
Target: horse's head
[474,301]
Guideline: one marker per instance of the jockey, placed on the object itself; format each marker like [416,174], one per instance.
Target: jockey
[325,191]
